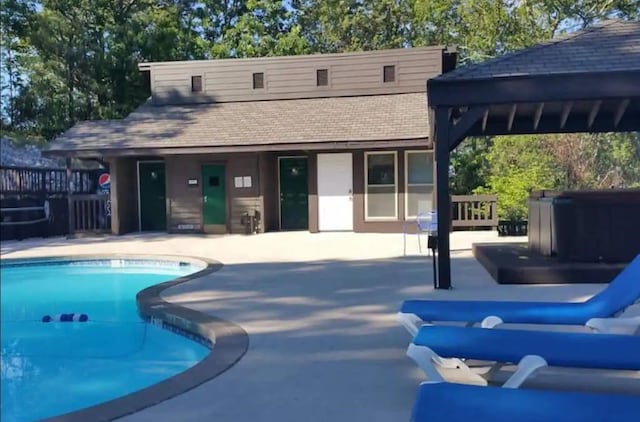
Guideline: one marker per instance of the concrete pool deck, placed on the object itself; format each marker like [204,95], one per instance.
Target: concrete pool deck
[320,311]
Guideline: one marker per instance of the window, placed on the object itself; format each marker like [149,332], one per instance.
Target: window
[258,80]
[419,182]
[322,77]
[389,73]
[196,84]
[381,188]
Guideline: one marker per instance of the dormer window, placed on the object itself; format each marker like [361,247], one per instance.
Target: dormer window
[258,80]
[196,83]
[389,73]
[322,77]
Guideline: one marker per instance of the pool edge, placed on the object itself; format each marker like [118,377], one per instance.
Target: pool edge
[230,341]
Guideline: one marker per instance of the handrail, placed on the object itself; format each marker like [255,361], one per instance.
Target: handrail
[16,209]
[474,210]
[44,208]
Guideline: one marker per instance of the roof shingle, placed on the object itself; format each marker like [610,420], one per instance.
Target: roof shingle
[608,47]
[337,119]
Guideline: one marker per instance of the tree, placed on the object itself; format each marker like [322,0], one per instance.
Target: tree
[265,28]
[14,17]
[587,161]
[469,166]
[518,165]
[332,26]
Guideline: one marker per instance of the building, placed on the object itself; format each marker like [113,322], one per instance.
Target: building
[320,142]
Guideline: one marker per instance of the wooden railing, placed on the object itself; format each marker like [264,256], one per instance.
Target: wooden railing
[90,214]
[22,180]
[474,211]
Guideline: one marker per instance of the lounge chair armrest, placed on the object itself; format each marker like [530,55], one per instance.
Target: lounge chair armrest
[427,360]
[526,367]
[411,322]
[629,325]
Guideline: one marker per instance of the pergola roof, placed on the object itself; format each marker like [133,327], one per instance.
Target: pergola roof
[608,47]
[585,82]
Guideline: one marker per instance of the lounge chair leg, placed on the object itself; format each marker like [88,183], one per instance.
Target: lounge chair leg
[527,366]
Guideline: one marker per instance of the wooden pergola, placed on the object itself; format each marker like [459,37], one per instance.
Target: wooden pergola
[586,82]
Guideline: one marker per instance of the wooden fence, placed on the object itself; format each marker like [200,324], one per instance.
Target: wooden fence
[474,211]
[36,181]
[25,194]
[91,213]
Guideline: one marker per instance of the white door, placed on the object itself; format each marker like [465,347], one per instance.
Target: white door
[335,192]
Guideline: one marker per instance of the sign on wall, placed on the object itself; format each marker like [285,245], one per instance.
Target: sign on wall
[242,181]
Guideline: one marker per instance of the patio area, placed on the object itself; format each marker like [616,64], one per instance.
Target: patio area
[320,311]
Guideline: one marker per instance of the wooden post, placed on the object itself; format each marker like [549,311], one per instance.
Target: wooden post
[441,143]
[69,197]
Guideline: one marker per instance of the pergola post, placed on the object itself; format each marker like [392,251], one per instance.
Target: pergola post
[441,143]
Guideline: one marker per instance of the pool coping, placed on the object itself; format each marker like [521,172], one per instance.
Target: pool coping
[227,341]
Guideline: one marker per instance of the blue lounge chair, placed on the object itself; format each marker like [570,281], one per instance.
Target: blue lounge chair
[621,293]
[446,346]
[444,402]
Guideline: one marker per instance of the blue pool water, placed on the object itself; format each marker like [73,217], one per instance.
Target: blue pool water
[57,367]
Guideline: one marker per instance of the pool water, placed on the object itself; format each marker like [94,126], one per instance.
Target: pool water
[58,367]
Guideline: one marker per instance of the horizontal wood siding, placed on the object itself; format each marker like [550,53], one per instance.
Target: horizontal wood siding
[185,202]
[295,77]
[242,200]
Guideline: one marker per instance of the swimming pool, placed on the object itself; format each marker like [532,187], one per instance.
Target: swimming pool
[51,368]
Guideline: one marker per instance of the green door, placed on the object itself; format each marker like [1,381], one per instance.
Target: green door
[153,205]
[294,194]
[213,198]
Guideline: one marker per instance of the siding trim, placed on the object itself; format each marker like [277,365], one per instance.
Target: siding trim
[312,146]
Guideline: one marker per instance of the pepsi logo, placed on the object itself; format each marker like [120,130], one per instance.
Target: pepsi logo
[104,181]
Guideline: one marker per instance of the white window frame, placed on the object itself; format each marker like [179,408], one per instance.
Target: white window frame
[366,185]
[406,179]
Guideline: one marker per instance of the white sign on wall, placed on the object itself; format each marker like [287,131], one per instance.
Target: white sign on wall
[242,181]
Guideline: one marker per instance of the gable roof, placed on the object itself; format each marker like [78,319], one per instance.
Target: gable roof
[608,47]
[283,122]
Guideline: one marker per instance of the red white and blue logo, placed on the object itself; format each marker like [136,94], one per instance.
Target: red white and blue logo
[104,181]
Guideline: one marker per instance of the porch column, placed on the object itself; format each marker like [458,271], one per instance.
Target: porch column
[124,209]
[71,213]
[441,144]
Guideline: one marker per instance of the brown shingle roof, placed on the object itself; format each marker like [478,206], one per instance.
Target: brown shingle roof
[608,47]
[338,119]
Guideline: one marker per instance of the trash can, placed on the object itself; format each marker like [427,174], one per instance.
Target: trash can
[250,220]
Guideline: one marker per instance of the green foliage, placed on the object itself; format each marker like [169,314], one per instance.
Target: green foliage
[518,165]
[469,165]
[587,161]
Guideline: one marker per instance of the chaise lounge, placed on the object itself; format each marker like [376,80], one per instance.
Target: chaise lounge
[437,347]
[445,346]
[621,293]
[444,402]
